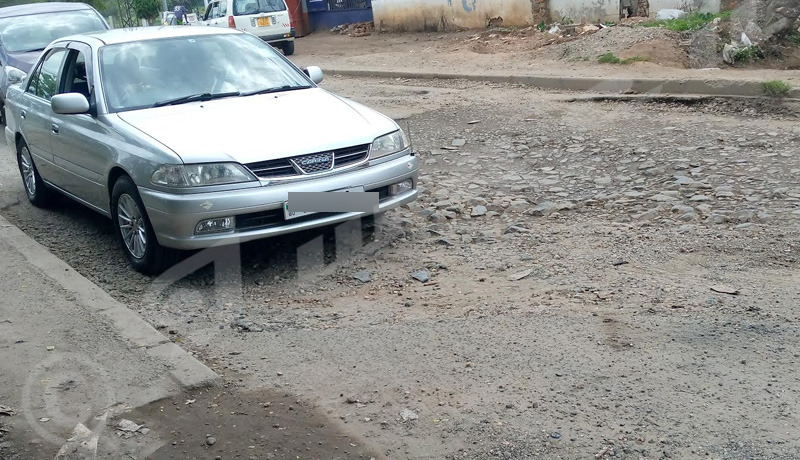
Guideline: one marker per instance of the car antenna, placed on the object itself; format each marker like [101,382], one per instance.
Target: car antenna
[410,140]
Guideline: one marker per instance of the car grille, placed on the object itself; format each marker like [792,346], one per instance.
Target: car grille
[272,168]
[350,155]
[274,217]
[314,163]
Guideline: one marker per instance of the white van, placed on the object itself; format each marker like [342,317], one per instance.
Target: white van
[266,19]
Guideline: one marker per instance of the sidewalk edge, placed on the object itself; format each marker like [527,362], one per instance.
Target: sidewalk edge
[687,86]
[184,368]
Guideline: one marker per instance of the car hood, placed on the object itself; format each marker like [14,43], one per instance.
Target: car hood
[23,61]
[263,127]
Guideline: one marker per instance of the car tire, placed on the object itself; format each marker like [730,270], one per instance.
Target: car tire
[134,231]
[288,48]
[38,193]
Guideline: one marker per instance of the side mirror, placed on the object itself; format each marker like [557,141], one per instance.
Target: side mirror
[69,104]
[15,76]
[314,73]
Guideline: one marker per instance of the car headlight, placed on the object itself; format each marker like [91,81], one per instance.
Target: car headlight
[200,175]
[14,75]
[389,144]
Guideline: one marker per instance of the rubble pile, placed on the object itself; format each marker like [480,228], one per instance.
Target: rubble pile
[357,29]
[755,31]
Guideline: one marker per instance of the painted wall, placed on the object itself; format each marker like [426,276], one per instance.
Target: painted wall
[431,15]
[608,10]
[325,20]
[584,10]
[705,6]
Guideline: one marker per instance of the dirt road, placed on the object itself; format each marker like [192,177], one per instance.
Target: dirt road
[605,279]
[491,53]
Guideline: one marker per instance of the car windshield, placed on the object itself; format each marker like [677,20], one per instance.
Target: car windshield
[186,69]
[34,32]
[257,6]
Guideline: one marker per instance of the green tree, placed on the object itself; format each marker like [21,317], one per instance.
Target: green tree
[147,9]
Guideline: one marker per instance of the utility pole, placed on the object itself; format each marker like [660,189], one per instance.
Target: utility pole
[126,13]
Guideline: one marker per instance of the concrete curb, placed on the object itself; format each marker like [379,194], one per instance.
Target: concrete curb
[706,87]
[184,368]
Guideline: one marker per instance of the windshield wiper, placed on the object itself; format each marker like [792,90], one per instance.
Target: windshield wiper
[277,89]
[195,98]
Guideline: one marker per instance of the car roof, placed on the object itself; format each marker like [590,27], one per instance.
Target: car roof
[135,34]
[37,8]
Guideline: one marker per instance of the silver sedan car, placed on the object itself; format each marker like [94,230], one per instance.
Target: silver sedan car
[189,138]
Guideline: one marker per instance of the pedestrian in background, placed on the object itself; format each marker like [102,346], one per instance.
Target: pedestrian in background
[180,14]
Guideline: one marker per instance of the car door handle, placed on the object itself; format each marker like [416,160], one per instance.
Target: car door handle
[22,114]
[54,127]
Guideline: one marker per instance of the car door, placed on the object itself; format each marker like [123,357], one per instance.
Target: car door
[222,14]
[80,143]
[214,16]
[35,114]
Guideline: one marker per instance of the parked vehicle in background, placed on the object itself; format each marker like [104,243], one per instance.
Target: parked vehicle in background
[25,30]
[266,19]
[121,138]
[168,19]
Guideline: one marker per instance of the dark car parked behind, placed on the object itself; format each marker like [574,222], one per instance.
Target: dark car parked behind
[25,30]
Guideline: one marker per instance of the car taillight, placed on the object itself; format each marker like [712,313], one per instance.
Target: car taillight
[231,22]
[291,23]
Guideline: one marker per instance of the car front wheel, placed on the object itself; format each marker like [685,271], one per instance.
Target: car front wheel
[133,229]
[38,193]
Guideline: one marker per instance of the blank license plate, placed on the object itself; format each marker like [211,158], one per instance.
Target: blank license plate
[264,22]
[289,215]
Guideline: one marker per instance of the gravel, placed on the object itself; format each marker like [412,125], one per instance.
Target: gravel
[624,360]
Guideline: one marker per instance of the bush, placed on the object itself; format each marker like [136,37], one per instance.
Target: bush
[693,21]
[610,58]
[750,53]
[776,88]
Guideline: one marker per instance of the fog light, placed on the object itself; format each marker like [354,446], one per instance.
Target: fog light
[401,187]
[222,224]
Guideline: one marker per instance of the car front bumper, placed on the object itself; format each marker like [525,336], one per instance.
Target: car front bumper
[174,217]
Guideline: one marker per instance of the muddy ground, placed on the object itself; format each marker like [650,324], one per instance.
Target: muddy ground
[607,279]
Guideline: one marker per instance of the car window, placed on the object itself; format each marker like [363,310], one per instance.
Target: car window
[75,76]
[141,74]
[213,10]
[44,82]
[223,8]
[241,7]
[34,32]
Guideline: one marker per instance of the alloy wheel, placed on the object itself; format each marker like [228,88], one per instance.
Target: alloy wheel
[132,226]
[28,172]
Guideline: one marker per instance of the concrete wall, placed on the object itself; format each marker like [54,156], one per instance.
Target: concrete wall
[430,15]
[584,10]
[608,10]
[705,6]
